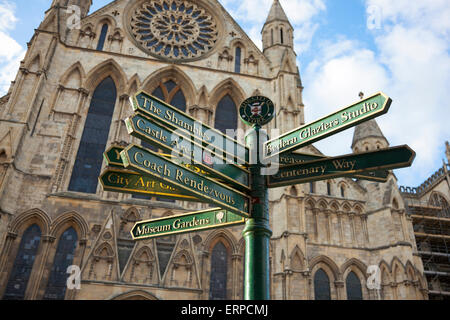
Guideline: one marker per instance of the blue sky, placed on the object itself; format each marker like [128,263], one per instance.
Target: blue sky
[343,47]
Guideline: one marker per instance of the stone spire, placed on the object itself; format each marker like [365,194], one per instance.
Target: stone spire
[368,136]
[447,151]
[277,13]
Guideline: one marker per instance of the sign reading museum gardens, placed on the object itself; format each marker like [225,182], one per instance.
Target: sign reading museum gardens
[201,164]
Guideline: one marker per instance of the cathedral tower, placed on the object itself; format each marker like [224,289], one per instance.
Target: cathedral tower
[278,47]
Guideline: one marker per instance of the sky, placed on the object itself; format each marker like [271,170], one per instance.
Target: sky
[400,47]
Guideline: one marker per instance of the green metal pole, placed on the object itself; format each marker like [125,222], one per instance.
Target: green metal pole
[257,231]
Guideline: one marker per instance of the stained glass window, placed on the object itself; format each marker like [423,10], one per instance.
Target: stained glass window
[57,283]
[219,269]
[321,286]
[237,61]
[226,115]
[353,285]
[93,141]
[20,274]
[101,40]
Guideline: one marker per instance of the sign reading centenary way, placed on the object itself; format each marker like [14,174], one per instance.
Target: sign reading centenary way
[348,165]
[202,164]
[150,163]
[353,115]
[160,136]
[298,158]
[191,128]
[188,222]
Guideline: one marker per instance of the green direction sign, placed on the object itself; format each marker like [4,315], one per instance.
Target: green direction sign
[134,183]
[297,158]
[160,136]
[353,115]
[150,163]
[112,157]
[176,119]
[189,222]
[388,159]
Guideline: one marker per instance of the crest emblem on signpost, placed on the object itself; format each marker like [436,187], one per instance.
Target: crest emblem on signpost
[257,110]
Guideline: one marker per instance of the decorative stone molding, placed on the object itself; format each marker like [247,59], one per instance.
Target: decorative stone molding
[179,30]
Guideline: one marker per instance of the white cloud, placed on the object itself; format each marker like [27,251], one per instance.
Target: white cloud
[411,64]
[11,53]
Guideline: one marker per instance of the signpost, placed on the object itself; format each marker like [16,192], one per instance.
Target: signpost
[188,222]
[205,165]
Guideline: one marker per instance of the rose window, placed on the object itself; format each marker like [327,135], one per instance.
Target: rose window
[175,30]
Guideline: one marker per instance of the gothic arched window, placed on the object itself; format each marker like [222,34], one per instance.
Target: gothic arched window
[101,40]
[93,141]
[321,286]
[57,283]
[226,115]
[237,60]
[354,291]
[342,191]
[281,36]
[219,269]
[20,274]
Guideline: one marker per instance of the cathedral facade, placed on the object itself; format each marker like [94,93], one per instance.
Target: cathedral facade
[68,104]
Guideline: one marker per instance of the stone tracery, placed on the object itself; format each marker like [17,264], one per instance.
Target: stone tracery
[175,30]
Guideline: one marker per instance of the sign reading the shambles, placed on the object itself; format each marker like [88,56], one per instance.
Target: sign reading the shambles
[189,222]
[392,158]
[187,181]
[176,119]
[353,115]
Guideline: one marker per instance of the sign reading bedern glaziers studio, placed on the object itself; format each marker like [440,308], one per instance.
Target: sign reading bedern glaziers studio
[353,115]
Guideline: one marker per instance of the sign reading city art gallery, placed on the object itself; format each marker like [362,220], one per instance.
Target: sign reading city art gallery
[183,179]
[387,159]
[353,115]
[189,222]
[290,158]
[176,119]
[160,136]
[134,183]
